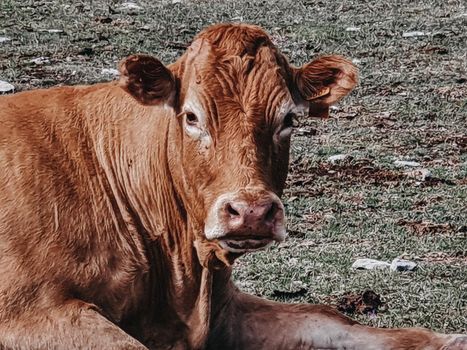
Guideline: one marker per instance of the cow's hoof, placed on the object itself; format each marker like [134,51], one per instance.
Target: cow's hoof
[458,343]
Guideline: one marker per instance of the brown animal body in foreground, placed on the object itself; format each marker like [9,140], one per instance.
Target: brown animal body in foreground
[123,205]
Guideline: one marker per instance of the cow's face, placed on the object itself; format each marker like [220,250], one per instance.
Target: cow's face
[236,102]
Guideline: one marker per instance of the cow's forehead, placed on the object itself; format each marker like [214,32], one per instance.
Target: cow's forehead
[246,81]
[221,99]
[236,73]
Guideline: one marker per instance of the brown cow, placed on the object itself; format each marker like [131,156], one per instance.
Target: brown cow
[123,205]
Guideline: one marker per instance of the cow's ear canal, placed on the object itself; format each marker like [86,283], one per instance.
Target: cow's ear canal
[146,79]
[324,81]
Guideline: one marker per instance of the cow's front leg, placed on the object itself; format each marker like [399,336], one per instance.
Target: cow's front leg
[73,325]
[254,323]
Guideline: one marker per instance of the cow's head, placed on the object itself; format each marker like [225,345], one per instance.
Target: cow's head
[235,97]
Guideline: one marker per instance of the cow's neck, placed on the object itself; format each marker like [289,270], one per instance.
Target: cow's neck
[132,147]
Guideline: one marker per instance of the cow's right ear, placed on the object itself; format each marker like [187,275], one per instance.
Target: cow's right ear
[146,79]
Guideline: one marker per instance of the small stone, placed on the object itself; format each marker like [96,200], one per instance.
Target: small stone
[54,30]
[403,265]
[130,6]
[352,29]
[297,284]
[5,86]
[308,243]
[110,71]
[356,61]
[414,34]
[337,158]
[370,264]
[4,39]
[419,174]
[293,261]
[40,60]
[402,163]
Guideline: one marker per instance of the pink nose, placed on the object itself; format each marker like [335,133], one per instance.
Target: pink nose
[257,218]
[246,220]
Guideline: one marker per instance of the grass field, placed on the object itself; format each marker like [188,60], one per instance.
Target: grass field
[409,105]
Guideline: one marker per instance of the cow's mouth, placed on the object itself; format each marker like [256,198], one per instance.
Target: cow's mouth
[245,244]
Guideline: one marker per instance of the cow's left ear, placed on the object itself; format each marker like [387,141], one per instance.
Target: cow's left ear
[324,81]
[146,79]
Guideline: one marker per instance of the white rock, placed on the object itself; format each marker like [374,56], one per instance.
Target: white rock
[414,34]
[421,174]
[297,285]
[334,108]
[403,265]
[402,163]
[54,30]
[370,264]
[110,71]
[4,39]
[337,158]
[130,6]
[40,60]
[5,86]
[356,61]
[352,29]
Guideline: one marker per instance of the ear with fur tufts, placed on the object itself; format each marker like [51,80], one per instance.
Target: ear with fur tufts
[146,79]
[325,81]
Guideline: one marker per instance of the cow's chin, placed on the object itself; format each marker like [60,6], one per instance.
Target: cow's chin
[245,245]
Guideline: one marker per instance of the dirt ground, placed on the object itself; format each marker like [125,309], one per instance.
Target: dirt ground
[410,105]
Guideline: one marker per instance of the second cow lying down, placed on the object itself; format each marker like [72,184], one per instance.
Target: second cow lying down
[123,205]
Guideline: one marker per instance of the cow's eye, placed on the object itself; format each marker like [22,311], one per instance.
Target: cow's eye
[288,121]
[287,124]
[191,119]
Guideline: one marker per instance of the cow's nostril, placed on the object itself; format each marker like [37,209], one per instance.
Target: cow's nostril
[271,213]
[232,211]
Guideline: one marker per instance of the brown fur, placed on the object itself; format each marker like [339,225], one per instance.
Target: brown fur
[103,199]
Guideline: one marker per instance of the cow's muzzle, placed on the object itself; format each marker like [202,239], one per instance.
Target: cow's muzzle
[246,221]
